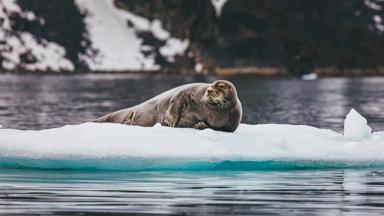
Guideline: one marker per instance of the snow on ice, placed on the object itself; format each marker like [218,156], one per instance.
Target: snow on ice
[123,147]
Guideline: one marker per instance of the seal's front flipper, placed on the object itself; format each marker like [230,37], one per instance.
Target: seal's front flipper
[200,125]
[170,122]
[172,115]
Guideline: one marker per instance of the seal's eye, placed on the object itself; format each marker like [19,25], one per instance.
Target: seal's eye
[219,85]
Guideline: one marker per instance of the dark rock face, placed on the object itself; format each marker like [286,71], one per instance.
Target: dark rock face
[62,23]
[296,34]
[193,20]
[299,35]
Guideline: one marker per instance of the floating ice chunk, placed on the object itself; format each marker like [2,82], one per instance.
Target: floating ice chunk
[125,147]
[356,127]
[311,76]
[157,125]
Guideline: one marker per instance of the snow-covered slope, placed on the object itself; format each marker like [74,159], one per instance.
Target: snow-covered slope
[21,49]
[122,147]
[114,39]
[218,5]
[119,47]
[116,35]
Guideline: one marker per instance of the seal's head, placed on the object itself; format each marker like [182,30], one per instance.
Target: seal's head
[221,95]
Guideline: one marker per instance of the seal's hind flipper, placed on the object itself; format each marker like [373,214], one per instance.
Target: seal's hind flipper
[130,119]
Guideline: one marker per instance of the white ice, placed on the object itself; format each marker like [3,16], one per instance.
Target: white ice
[356,126]
[115,146]
[311,76]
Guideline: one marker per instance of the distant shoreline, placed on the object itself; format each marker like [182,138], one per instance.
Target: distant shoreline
[224,72]
[320,71]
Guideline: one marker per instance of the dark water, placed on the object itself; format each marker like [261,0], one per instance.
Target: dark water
[337,192]
[38,102]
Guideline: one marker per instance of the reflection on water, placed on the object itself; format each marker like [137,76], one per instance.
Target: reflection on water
[35,102]
[343,192]
[44,101]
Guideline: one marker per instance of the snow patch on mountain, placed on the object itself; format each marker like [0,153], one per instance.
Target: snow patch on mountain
[173,47]
[22,49]
[378,23]
[373,5]
[113,33]
[218,5]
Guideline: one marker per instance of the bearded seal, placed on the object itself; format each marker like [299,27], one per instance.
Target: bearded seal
[196,105]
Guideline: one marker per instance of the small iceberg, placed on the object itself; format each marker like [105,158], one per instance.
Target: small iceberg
[311,76]
[122,147]
[356,126]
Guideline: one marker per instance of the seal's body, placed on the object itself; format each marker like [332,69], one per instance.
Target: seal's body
[196,105]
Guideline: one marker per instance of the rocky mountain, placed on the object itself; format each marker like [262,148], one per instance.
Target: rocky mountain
[199,36]
[81,35]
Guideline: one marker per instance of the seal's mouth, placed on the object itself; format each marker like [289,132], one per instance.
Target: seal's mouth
[216,102]
[213,101]
[215,95]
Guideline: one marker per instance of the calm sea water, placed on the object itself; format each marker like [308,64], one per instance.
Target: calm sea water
[46,101]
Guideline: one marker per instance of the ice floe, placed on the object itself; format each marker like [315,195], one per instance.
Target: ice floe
[123,147]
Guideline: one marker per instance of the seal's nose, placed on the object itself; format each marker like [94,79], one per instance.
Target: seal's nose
[210,91]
